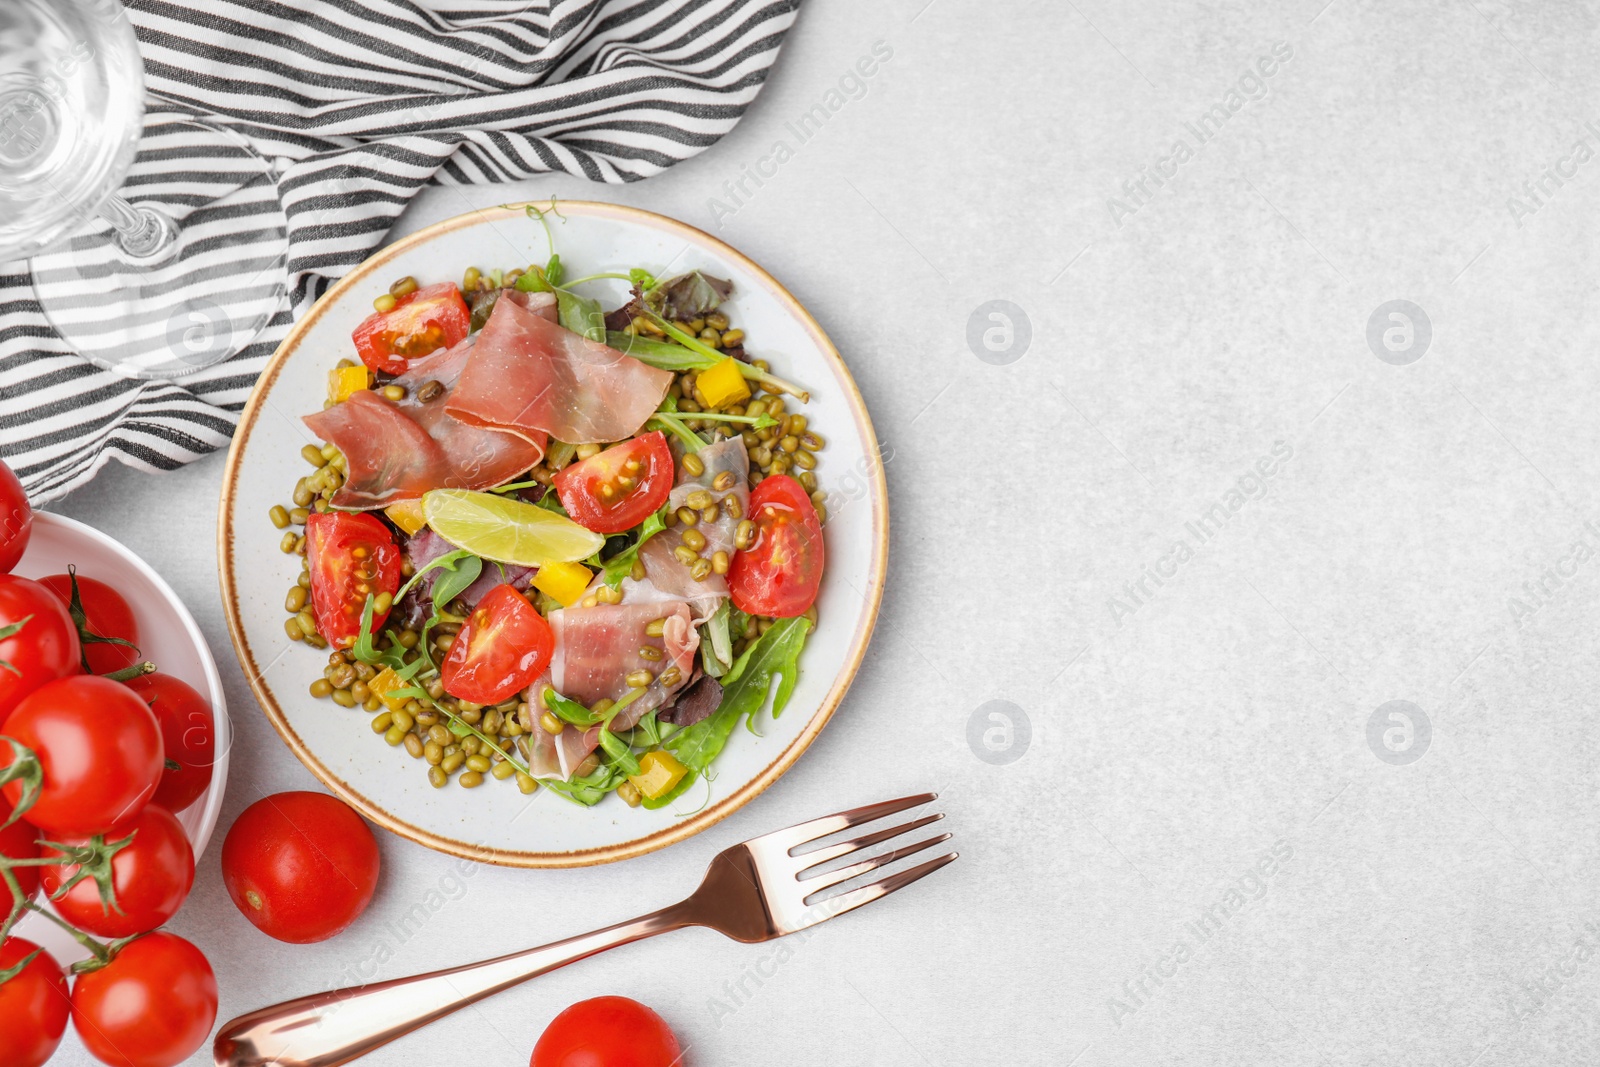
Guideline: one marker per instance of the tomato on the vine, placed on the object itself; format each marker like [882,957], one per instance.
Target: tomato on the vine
[38,642]
[300,866]
[781,572]
[150,877]
[504,645]
[16,519]
[33,1004]
[106,614]
[188,736]
[19,841]
[151,1006]
[607,1032]
[619,488]
[98,749]
[352,556]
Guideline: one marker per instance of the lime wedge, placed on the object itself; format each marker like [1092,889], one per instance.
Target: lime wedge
[507,530]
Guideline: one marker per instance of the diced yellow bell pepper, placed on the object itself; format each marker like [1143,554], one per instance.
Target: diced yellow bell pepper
[563,581]
[723,384]
[407,515]
[659,771]
[386,682]
[344,381]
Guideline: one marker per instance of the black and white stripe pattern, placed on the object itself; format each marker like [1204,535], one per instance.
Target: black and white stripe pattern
[364,102]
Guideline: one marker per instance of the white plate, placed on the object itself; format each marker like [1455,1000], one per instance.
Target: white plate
[495,823]
[168,637]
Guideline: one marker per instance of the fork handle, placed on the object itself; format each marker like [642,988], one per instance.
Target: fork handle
[326,1029]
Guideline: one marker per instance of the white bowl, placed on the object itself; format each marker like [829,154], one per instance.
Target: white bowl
[168,637]
[495,823]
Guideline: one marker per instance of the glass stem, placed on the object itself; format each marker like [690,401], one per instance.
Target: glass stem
[142,232]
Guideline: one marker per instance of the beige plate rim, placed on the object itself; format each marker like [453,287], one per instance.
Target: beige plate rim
[689,825]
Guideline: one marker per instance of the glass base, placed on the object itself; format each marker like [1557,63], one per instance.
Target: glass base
[198,300]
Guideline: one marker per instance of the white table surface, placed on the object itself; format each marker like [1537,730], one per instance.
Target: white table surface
[1437,911]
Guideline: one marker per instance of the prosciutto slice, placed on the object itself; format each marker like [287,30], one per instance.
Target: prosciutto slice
[596,649]
[666,571]
[532,377]
[399,450]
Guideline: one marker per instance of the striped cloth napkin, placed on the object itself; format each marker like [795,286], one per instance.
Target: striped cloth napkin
[363,102]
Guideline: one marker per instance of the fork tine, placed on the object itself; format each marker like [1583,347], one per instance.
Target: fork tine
[827,881]
[817,857]
[854,899]
[832,824]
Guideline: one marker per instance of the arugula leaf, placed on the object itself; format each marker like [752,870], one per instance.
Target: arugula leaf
[659,354]
[551,501]
[621,755]
[454,581]
[590,789]
[570,711]
[366,650]
[620,566]
[745,688]
[448,560]
[671,423]
[581,315]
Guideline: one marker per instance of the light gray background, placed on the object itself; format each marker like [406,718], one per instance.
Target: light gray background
[1175,743]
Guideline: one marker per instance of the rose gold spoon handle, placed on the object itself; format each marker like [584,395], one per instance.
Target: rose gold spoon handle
[326,1029]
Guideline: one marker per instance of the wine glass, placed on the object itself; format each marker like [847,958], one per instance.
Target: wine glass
[187,265]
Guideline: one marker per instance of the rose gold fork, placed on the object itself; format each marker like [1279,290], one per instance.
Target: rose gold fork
[753,892]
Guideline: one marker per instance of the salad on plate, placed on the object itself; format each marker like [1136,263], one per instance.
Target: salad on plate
[555,544]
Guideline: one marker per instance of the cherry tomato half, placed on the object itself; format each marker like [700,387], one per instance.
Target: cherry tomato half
[188,737]
[44,646]
[781,572]
[33,1005]
[18,841]
[300,866]
[100,749]
[421,322]
[617,489]
[607,1032]
[351,556]
[504,645]
[16,519]
[150,877]
[151,1006]
[106,614]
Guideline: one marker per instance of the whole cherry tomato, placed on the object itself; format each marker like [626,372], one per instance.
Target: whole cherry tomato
[38,642]
[18,841]
[300,866]
[99,748]
[150,877]
[33,1005]
[106,614]
[188,736]
[16,520]
[781,572]
[607,1032]
[151,1006]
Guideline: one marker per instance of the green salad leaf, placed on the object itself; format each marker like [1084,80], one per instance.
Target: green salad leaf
[620,566]
[455,580]
[775,654]
[581,315]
